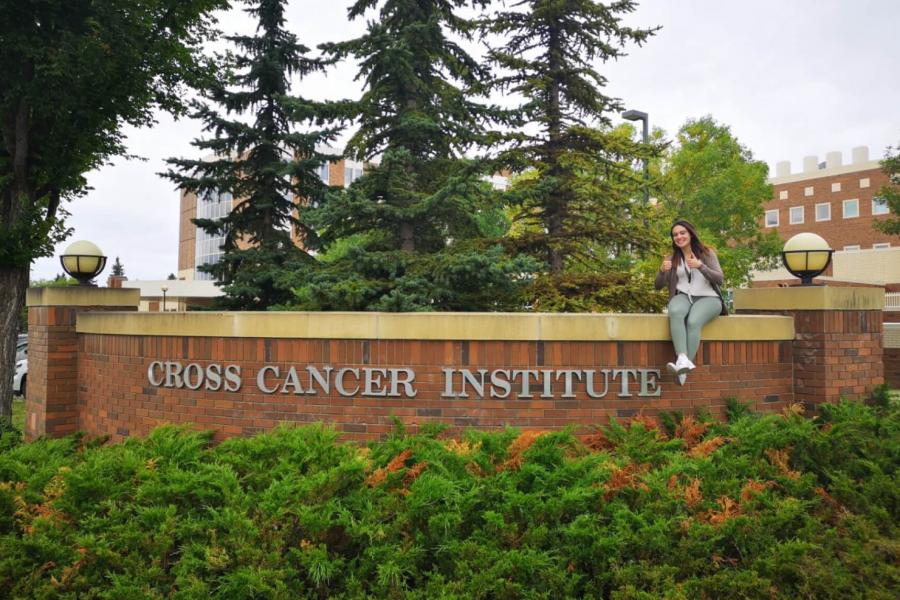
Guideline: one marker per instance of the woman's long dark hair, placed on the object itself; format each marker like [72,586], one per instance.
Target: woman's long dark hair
[697,247]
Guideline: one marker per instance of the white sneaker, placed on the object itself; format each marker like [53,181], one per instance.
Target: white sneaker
[672,367]
[682,377]
[684,364]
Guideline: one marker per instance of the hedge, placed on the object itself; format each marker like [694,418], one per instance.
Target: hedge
[765,506]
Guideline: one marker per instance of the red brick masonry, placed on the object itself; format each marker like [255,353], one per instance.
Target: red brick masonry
[892,367]
[115,397]
[53,369]
[837,353]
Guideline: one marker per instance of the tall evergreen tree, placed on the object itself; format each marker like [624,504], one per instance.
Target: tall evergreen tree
[581,195]
[268,167]
[418,219]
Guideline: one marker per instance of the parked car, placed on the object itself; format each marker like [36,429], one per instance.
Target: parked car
[21,377]
[21,347]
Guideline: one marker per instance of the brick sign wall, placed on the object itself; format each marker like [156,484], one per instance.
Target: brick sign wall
[116,396]
[104,371]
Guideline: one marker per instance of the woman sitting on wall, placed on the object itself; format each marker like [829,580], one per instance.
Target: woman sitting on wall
[693,275]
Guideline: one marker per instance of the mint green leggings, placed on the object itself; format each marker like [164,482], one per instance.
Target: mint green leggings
[686,320]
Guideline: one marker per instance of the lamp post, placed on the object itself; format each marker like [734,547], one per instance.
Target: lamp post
[637,115]
[164,289]
[806,255]
[83,260]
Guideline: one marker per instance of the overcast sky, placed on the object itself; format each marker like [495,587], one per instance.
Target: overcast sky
[790,77]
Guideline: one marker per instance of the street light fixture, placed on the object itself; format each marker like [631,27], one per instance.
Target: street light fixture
[83,260]
[806,255]
[637,115]
[164,289]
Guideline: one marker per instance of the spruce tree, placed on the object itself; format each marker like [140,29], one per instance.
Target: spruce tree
[268,167]
[576,206]
[411,232]
[118,269]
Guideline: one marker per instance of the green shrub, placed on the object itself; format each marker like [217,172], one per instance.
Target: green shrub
[766,506]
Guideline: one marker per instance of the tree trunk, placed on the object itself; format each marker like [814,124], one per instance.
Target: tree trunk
[407,238]
[555,213]
[13,283]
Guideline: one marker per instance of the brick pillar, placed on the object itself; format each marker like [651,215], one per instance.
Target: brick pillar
[838,337]
[52,384]
[892,354]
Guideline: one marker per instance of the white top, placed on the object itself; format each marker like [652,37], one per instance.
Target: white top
[692,282]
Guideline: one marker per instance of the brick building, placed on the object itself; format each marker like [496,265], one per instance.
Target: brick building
[840,202]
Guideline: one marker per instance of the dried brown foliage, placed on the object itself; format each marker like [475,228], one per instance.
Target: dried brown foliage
[598,442]
[69,572]
[707,447]
[627,477]
[376,478]
[475,469]
[781,460]
[691,431]
[460,448]
[692,494]
[26,513]
[754,488]
[728,509]
[673,483]
[522,443]
[840,511]
[649,423]
[414,471]
[397,463]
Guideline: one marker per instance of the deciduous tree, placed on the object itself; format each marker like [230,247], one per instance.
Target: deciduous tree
[73,73]
[891,192]
[712,180]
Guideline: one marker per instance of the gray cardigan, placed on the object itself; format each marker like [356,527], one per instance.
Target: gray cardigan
[709,267]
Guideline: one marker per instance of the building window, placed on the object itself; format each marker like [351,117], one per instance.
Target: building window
[808,191]
[879,206]
[864,182]
[851,208]
[351,174]
[836,187]
[823,211]
[208,248]
[853,248]
[796,215]
[322,172]
[881,246]
[771,218]
[783,195]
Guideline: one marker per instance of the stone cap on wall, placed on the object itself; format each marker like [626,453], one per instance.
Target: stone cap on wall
[82,296]
[427,326]
[809,298]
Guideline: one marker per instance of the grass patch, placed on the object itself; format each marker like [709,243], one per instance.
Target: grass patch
[767,506]
[18,413]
